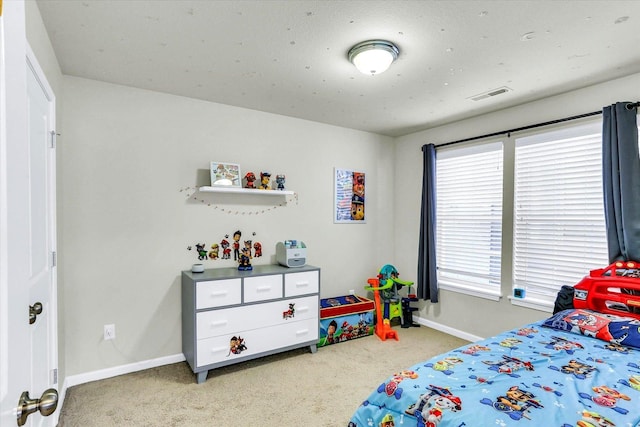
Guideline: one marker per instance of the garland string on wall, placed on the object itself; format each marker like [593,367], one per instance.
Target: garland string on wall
[190,193]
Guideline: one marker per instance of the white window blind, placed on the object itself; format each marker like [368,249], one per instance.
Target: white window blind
[559,225]
[469,219]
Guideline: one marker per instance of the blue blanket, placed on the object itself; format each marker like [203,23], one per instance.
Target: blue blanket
[533,376]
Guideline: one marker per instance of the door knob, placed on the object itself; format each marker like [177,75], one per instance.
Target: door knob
[47,405]
[34,310]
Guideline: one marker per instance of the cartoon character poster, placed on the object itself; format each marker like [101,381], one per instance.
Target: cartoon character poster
[349,196]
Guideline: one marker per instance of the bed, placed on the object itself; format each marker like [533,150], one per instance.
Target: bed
[579,367]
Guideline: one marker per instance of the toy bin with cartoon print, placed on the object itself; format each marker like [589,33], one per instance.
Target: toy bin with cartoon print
[345,318]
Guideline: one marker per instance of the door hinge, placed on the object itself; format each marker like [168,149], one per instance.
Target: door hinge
[54,136]
[54,259]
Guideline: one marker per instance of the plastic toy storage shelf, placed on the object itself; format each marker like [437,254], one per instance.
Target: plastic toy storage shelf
[252,191]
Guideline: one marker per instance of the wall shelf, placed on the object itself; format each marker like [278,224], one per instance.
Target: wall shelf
[237,190]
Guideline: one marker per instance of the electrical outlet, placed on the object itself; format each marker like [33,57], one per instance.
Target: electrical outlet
[109,332]
[352,292]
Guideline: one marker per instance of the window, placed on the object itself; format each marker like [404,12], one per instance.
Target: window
[469,219]
[559,226]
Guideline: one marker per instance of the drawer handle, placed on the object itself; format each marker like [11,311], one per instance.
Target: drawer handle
[219,293]
[263,288]
[219,323]
[219,349]
[302,332]
[301,284]
[303,309]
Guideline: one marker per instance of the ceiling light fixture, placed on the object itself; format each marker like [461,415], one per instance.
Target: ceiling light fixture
[373,56]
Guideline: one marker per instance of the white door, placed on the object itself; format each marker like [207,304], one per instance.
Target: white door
[41,222]
[23,273]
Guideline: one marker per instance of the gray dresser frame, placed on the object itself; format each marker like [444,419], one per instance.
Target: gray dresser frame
[189,311]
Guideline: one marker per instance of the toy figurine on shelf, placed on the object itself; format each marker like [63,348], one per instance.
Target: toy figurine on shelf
[250,178]
[244,261]
[280,179]
[265,181]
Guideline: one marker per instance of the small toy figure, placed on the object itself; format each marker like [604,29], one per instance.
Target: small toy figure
[280,180]
[247,246]
[244,262]
[265,180]
[250,178]
[257,247]
[236,244]
[213,253]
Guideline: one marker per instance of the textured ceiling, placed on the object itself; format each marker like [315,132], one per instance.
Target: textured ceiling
[289,57]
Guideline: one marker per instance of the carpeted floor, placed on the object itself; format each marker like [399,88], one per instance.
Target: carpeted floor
[290,389]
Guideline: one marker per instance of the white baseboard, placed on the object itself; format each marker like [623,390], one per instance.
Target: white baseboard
[446,329]
[102,374]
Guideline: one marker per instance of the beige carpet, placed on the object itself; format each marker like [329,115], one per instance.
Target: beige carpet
[290,389]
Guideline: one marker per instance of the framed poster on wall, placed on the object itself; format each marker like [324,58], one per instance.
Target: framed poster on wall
[349,196]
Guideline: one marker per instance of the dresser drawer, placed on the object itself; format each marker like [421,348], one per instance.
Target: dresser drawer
[307,282]
[231,320]
[218,349]
[218,293]
[262,288]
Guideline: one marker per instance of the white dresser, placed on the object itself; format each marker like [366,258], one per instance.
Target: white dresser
[229,316]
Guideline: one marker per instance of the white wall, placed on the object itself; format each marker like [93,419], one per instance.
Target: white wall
[473,315]
[128,153]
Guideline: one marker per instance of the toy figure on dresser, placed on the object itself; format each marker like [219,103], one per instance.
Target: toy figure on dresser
[247,247]
[280,179]
[265,180]
[250,178]
[244,261]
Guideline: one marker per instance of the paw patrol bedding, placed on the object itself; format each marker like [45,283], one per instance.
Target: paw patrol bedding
[578,368]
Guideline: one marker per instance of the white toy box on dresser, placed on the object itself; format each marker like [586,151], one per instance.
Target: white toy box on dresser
[230,316]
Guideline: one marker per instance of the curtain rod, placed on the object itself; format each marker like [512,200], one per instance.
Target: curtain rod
[629,106]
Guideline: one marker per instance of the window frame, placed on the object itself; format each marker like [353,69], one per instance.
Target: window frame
[508,217]
[557,135]
[459,284]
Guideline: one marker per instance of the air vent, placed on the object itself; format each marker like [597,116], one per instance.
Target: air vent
[489,94]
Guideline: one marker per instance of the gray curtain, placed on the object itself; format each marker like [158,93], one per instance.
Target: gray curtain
[621,181]
[427,278]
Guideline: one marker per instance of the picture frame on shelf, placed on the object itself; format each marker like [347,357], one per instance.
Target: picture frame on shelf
[225,174]
[349,197]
